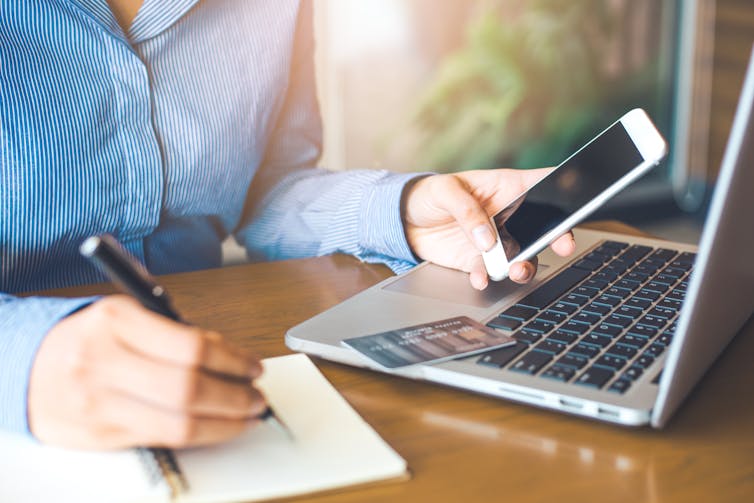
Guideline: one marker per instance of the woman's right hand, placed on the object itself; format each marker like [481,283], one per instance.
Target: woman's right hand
[116,375]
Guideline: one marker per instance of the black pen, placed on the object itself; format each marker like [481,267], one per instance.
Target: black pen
[130,276]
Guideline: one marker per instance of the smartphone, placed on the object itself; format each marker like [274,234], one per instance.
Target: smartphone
[580,185]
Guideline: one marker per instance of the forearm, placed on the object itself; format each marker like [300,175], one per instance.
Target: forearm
[317,212]
[24,322]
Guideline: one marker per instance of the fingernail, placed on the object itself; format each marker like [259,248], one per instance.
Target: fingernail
[483,237]
[522,274]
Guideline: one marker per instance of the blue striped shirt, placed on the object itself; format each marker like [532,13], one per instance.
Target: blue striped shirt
[198,123]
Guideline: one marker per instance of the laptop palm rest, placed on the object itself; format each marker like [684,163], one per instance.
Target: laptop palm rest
[437,282]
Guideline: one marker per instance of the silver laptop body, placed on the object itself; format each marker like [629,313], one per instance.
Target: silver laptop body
[719,299]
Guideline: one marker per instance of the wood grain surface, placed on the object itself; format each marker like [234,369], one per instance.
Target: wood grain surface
[466,447]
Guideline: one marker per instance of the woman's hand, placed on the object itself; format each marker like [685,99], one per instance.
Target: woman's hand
[116,375]
[447,220]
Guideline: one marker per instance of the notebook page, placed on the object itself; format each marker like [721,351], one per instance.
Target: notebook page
[30,472]
[332,446]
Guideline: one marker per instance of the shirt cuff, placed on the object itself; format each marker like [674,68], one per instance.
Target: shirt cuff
[381,228]
[24,322]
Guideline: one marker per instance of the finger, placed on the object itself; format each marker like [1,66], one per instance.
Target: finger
[564,245]
[522,272]
[454,197]
[136,423]
[165,339]
[478,274]
[180,388]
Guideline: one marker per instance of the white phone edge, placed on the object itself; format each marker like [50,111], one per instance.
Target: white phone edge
[652,147]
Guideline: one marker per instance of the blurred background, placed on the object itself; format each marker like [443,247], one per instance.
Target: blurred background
[413,85]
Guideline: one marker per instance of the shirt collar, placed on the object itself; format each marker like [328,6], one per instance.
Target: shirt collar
[154,17]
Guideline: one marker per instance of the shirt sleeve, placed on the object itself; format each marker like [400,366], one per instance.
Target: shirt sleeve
[24,322]
[295,209]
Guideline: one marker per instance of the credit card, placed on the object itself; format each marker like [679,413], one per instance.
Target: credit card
[429,342]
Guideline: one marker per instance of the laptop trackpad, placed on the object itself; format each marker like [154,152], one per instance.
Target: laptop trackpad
[440,283]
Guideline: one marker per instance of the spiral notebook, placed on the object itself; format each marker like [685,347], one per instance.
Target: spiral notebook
[332,447]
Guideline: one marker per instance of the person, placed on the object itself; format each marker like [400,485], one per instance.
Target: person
[173,124]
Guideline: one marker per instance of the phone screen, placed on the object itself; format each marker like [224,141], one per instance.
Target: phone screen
[574,183]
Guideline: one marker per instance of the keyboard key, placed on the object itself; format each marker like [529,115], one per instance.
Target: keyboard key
[665,279]
[554,288]
[618,321]
[595,377]
[620,386]
[531,362]
[504,323]
[573,359]
[608,300]
[539,326]
[586,317]
[633,373]
[519,312]
[597,340]
[652,321]
[639,277]
[527,337]
[617,245]
[644,361]
[599,309]
[499,358]
[550,346]
[618,266]
[648,269]
[654,350]
[575,328]
[563,337]
[673,272]
[645,294]
[587,350]
[596,283]
[676,294]
[633,340]
[627,284]
[637,303]
[561,307]
[656,286]
[687,257]
[656,379]
[596,256]
[670,304]
[587,265]
[608,276]
[665,339]
[663,254]
[635,252]
[643,331]
[622,351]
[680,264]
[628,311]
[672,328]
[578,300]
[586,291]
[610,361]
[608,330]
[662,312]
[616,291]
[551,316]
[559,372]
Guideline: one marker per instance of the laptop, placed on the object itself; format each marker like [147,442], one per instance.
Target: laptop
[620,331]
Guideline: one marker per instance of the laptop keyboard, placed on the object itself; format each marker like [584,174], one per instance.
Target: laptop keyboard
[599,323]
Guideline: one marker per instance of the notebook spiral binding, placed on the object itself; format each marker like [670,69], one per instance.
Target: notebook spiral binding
[162,467]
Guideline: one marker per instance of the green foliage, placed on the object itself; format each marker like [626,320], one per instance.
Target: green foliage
[523,92]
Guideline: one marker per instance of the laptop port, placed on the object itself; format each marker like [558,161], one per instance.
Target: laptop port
[570,404]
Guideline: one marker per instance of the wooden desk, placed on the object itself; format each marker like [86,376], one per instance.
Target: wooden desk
[466,447]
